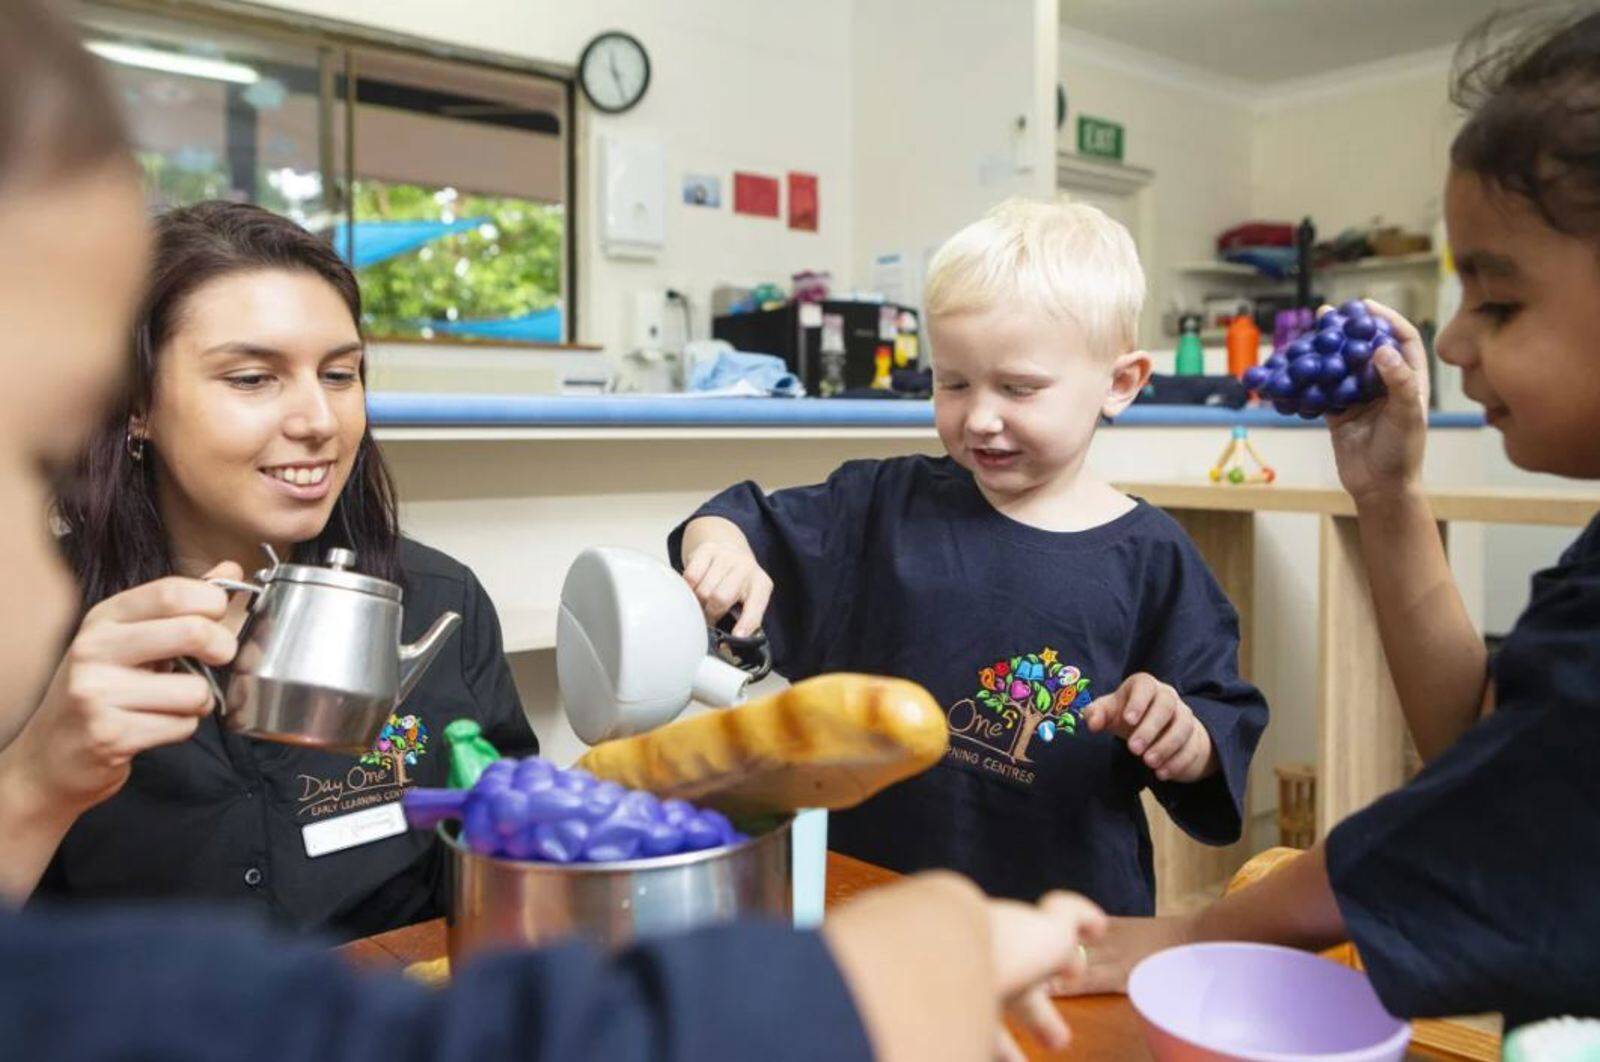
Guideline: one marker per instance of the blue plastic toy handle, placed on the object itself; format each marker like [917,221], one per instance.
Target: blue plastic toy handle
[426,808]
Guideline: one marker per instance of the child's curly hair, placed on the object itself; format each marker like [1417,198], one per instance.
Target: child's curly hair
[1531,86]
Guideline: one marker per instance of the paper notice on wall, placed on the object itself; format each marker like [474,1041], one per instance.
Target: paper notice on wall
[803,202]
[755,194]
[890,278]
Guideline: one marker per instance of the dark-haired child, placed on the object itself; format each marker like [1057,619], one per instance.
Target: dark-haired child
[1473,887]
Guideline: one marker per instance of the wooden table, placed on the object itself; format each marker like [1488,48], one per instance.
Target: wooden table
[1104,1028]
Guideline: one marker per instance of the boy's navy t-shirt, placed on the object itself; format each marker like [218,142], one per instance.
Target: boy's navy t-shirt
[902,568]
[1474,888]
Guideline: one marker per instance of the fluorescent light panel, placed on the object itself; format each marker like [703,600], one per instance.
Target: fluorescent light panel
[174,62]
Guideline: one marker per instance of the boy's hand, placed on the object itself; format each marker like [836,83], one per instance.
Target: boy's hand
[1158,727]
[1378,446]
[723,574]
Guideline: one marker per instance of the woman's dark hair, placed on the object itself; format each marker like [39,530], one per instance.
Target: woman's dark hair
[1531,87]
[57,116]
[114,536]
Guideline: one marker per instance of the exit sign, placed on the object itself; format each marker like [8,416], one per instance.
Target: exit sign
[1099,138]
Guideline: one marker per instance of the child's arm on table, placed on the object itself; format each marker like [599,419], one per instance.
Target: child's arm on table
[1437,658]
[1293,906]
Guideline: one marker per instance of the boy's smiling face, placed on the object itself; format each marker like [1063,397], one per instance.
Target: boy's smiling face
[1017,394]
[1527,335]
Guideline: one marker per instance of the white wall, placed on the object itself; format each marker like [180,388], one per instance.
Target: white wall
[939,85]
[762,86]
[1193,130]
[1368,143]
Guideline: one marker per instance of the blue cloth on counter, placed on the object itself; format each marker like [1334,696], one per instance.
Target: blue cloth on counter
[902,568]
[716,364]
[1472,888]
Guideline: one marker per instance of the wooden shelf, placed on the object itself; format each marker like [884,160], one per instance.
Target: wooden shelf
[1488,505]
[1222,269]
[1375,264]
[526,630]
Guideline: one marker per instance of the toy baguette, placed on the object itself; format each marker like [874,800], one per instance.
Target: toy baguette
[827,742]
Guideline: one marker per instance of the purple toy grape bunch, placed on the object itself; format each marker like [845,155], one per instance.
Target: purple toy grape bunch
[1329,369]
[530,809]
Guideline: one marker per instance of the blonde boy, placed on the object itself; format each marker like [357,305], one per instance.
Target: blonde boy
[1079,645]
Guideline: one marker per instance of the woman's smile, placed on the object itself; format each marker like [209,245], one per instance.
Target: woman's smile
[301,480]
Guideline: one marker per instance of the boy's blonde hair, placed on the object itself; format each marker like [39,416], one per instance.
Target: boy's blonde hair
[1069,259]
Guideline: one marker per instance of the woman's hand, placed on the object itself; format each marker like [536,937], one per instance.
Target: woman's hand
[114,694]
[1378,446]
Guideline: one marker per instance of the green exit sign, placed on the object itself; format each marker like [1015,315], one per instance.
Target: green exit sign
[1099,138]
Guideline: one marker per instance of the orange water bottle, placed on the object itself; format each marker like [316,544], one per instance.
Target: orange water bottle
[1244,343]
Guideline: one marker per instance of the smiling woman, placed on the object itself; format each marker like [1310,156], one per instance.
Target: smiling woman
[245,423]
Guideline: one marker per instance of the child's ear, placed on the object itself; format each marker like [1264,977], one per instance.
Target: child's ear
[1129,374]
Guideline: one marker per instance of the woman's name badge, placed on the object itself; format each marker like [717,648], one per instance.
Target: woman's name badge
[355,829]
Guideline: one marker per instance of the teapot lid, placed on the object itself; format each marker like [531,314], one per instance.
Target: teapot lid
[337,573]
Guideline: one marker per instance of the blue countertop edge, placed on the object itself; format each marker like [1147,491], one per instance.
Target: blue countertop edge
[393,409]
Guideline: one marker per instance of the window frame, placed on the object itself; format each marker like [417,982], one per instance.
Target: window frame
[346,39]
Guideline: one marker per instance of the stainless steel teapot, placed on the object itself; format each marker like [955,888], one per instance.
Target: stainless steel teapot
[320,662]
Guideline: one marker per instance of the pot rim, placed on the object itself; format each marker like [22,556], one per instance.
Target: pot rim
[448,830]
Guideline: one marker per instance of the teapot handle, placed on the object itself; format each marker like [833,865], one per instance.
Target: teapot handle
[194,667]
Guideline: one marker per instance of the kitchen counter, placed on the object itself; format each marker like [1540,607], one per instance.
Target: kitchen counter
[394,411]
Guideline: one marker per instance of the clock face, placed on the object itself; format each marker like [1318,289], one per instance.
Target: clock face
[614,71]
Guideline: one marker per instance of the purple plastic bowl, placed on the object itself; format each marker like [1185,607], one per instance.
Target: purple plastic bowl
[1260,1003]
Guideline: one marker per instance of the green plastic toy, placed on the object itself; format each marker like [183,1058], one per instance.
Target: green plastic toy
[470,752]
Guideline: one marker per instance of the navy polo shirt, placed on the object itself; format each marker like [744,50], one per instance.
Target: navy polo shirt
[902,568]
[220,817]
[1474,887]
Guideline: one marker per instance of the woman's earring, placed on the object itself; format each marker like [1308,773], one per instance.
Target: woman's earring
[135,445]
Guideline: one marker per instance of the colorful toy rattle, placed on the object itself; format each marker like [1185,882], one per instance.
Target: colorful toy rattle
[1230,465]
[1328,371]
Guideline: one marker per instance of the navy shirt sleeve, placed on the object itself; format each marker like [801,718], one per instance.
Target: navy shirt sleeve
[810,540]
[1190,640]
[142,986]
[1472,889]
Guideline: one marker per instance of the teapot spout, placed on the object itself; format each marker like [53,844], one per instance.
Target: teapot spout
[415,658]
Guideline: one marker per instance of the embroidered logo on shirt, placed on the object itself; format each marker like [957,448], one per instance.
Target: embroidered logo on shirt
[1028,698]
[402,741]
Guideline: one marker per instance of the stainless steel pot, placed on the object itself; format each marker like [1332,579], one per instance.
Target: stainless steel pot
[500,903]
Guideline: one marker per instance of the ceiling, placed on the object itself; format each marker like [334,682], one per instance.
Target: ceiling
[1267,41]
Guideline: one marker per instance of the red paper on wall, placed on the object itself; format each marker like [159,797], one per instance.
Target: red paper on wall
[803,201]
[755,194]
